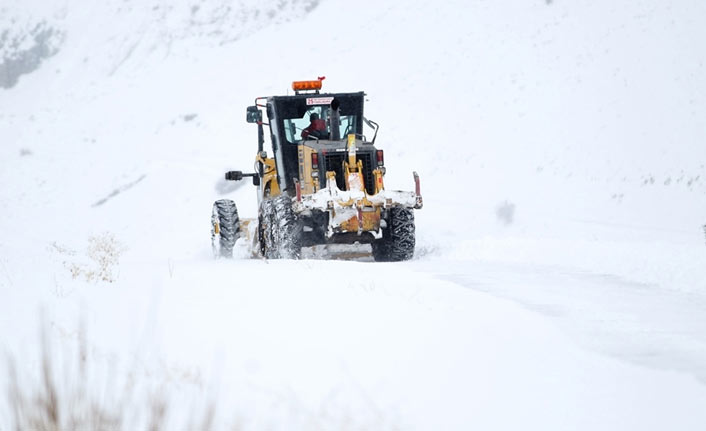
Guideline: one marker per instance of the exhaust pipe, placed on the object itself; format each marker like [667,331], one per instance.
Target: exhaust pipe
[335,120]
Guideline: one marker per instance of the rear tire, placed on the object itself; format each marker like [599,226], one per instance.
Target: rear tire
[266,225]
[287,228]
[225,227]
[398,238]
[280,230]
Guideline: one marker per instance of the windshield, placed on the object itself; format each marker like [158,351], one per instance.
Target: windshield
[314,124]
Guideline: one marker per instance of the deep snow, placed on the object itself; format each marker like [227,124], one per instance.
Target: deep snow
[581,308]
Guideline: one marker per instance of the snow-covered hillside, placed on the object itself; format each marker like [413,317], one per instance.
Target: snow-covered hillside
[560,274]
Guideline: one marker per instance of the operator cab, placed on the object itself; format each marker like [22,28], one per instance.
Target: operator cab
[294,115]
[289,116]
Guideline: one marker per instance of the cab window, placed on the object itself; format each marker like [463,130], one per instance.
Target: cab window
[293,127]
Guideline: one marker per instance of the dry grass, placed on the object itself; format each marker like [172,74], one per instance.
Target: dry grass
[100,262]
[67,390]
[65,397]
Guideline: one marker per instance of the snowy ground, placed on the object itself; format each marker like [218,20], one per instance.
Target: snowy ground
[560,274]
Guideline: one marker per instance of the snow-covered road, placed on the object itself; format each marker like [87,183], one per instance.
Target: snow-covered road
[389,346]
[638,322]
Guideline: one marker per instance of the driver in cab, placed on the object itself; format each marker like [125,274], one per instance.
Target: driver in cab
[317,128]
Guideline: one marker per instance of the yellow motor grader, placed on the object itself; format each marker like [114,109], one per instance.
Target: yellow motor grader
[323,185]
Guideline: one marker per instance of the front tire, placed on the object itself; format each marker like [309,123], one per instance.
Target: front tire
[225,227]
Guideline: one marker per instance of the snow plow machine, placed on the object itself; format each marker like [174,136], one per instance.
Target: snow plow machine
[323,185]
